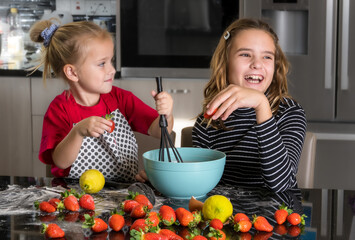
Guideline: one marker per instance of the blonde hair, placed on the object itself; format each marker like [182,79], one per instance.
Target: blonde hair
[220,59]
[66,45]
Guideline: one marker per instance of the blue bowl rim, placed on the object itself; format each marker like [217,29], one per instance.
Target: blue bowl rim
[193,166]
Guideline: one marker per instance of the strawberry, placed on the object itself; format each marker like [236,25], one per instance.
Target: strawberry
[295,219]
[96,224]
[120,235]
[244,236]
[185,217]
[294,231]
[239,217]
[139,225]
[139,211]
[47,217]
[262,224]
[170,235]
[82,213]
[280,229]
[54,202]
[146,236]
[216,234]
[281,214]
[44,206]
[67,193]
[243,226]
[199,237]
[153,219]
[86,201]
[262,235]
[52,230]
[197,217]
[109,117]
[167,215]
[116,221]
[128,205]
[216,223]
[71,203]
[99,236]
[208,116]
[188,233]
[142,199]
[71,216]
[128,220]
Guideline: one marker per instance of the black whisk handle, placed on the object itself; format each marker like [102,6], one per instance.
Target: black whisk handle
[162,121]
[159,85]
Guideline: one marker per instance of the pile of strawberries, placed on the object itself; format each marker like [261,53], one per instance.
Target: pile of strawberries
[135,216]
[288,223]
[68,205]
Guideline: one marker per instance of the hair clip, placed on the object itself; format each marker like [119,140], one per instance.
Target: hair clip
[227,35]
[47,34]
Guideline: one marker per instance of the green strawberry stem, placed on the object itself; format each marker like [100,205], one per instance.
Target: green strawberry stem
[44,228]
[89,221]
[108,116]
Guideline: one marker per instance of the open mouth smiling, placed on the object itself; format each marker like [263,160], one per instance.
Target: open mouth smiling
[254,78]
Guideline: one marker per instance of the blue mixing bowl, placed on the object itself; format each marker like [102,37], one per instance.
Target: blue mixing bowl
[199,173]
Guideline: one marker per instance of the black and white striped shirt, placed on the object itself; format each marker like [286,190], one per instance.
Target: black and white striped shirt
[258,155]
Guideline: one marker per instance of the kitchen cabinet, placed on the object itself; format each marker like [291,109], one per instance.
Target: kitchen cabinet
[15,126]
[186,93]
[335,155]
[332,170]
[42,95]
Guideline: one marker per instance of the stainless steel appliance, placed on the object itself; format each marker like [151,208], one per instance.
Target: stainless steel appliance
[316,36]
[171,38]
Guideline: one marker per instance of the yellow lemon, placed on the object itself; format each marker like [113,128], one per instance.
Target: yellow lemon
[92,181]
[217,206]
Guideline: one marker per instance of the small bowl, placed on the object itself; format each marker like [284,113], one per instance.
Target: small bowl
[199,173]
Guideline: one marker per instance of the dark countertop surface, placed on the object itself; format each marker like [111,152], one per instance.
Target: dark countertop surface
[330,212]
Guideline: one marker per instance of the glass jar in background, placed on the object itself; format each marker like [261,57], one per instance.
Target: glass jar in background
[16,35]
[4,26]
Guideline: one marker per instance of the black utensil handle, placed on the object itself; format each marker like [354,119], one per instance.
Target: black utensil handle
[162,121]
[159,85]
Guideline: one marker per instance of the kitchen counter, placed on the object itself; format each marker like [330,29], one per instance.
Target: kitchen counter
[6,72]
[330,212]
[17,68]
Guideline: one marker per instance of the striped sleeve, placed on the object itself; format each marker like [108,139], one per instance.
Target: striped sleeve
[258,155]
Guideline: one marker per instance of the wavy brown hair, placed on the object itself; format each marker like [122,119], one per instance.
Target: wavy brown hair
[67,45]
[220,60]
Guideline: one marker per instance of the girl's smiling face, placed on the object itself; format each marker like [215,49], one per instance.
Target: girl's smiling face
[252,60]
[96,72]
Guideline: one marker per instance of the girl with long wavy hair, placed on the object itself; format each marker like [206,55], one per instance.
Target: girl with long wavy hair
[247,111]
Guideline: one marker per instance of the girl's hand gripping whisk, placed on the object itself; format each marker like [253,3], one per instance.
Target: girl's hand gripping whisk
[165,140]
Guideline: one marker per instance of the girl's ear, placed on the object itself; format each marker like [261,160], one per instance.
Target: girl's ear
[70,72]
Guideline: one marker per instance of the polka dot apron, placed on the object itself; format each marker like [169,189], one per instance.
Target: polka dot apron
[114,154]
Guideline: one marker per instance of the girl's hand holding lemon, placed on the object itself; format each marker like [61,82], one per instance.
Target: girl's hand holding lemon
[92,181]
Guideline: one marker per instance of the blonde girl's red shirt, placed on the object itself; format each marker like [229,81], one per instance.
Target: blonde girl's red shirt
[64,112]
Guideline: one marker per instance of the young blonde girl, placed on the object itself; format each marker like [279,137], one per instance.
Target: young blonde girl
[76,136]
[247,111]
